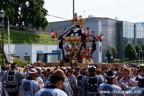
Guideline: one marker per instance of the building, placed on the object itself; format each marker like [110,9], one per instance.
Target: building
[34,53]
[116,33]
[141,23]
[127,31]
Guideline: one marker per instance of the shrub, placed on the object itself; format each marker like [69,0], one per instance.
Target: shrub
[19,61]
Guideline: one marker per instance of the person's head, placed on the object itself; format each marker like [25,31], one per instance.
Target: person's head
[30,66]
[33,73]
[33,65]
[43,64]
[116,68]
[141,79]
[120,73]
[68,67]
[121,67]
[64,70]
[47,72]
[70,73]
[91,69]
[98,71]
[13,65]
[57,78]
[103,71]
[126,71]
[39,70]
[138,72]
[113,68]
[3,67]
[77,69]
[84,71]
[110,76]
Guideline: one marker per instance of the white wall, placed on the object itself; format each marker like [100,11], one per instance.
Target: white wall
[31,50]
[44,48]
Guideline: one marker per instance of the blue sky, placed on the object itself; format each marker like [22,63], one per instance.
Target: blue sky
[126,10]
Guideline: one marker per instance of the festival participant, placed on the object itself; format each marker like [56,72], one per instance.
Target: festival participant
[138,91]
[126,82]
[108,88]
[56,83]
[29,85]
[136,77]
[46,75]
[90,84]
[133,72]
[2,72]
[13,80]
[3,91]
[82,75]
[6,68]
[72,80]
[119,75]
[66,86]
[98,72]
[77,71]
[27,68]
[38,78]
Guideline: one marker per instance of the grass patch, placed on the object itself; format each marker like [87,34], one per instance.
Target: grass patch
[29,38]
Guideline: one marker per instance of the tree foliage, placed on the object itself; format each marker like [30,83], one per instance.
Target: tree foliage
[138,48]
[25,13]
[130,51]
[142,46]
[111,51]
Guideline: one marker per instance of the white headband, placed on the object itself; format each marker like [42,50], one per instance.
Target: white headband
[91,67]
[68,67]
[140,77]
[110,76]
[39,68]
[30,72]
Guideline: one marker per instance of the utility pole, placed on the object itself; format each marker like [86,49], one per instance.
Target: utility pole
[9,42]
[84,13]
[73,8]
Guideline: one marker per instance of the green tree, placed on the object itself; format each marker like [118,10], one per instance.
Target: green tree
[137,47]
[142,46]
[130,51]
[25,13]
[111,51]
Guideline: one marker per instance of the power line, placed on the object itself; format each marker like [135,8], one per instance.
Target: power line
[57,17]
[35,10]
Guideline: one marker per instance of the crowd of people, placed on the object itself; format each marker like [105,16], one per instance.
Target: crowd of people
[71,81]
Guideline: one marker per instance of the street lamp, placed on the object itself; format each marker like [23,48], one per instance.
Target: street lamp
[139,56]
[2,14]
